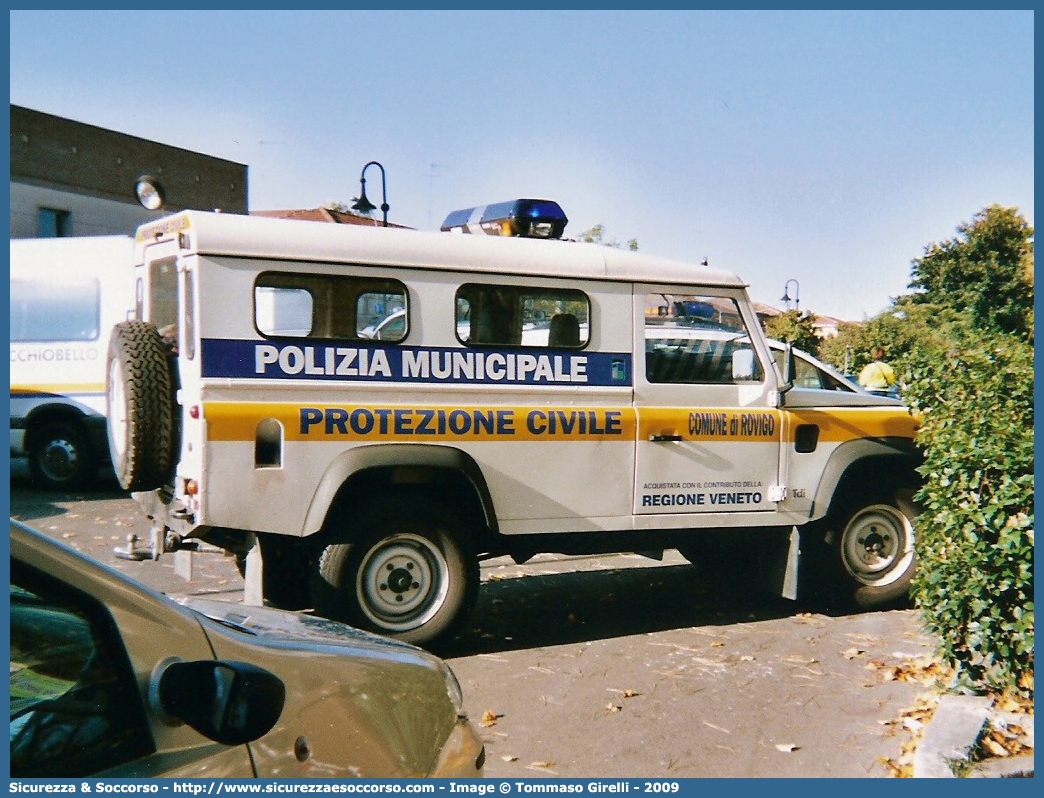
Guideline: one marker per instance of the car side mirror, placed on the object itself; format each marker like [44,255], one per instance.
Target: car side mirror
[743,365]
[789,368]
[232,703]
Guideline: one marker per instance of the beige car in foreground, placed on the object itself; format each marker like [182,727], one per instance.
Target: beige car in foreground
[110,678]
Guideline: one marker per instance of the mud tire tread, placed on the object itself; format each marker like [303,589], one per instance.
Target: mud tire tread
[145,462]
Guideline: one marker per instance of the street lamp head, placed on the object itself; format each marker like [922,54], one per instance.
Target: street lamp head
[363,205]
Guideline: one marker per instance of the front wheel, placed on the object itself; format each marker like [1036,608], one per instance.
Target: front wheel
[875,552]
[410,574]
[60,458]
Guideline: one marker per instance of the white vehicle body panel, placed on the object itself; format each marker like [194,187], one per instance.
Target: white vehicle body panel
[66,295]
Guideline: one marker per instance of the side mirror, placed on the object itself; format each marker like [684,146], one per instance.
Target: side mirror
[789,368]
[743,365]
[232,703]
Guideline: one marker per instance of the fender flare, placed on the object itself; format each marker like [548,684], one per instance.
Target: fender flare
[851,452]
[363,458]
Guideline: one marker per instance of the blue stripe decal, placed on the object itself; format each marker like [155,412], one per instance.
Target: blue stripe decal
[360,362]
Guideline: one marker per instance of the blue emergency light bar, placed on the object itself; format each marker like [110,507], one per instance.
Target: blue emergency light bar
[527,218]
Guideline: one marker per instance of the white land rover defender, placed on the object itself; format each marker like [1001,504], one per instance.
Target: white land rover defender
[369,412]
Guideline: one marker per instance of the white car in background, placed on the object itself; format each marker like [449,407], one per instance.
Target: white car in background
[812,373]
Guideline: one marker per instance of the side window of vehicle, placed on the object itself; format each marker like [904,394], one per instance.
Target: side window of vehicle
[330,306]
[43,311]
[697,339]
[511,315]
[75,705]
[806,375]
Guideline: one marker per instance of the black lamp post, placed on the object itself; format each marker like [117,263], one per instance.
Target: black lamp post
[797,293]
[363,205]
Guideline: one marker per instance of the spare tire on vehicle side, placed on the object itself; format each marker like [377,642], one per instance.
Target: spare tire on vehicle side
[140,402]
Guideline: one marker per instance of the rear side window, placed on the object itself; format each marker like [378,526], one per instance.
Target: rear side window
[330,306]
[509,315]
[697,339]
[53,311]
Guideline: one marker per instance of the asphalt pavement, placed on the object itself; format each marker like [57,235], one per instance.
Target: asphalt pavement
[619,665]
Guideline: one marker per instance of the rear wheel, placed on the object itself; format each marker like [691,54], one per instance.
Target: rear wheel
[60,458]
[140,406]
[410,573]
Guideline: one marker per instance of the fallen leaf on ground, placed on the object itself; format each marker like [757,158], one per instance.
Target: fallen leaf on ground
[489,718]
[913,724]
[994,747]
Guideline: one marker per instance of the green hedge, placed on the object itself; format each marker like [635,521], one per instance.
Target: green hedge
[974,584]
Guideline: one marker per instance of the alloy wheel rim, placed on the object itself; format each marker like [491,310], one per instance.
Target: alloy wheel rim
[117,412]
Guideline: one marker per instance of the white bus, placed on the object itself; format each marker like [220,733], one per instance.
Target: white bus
[66,295]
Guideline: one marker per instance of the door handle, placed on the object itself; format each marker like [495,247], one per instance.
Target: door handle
[665,438]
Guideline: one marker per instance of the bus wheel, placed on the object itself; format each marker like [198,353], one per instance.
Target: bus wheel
[409,574]
[140,406]
[60,457]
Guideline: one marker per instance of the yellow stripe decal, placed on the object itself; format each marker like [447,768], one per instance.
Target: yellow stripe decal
[847,424]
[836,425]
[237,421]
[709,423]
[76,387]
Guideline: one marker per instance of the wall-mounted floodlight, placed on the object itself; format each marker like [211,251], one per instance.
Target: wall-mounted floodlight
[149,192]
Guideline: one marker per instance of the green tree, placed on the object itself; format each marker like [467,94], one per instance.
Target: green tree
[793,326]
[902,329]
[986,269]
[962,348]
[597,235]
[974,581]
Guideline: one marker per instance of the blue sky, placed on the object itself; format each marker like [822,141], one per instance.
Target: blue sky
[825,147]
